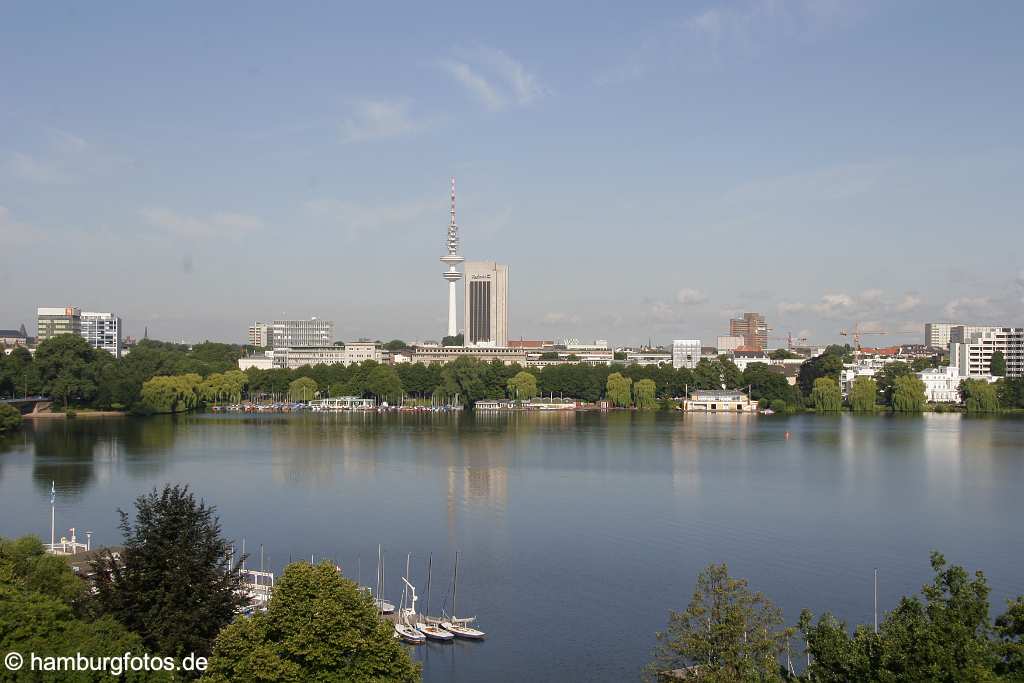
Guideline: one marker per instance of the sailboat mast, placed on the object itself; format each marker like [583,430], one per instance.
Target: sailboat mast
[455,586]
[426,604]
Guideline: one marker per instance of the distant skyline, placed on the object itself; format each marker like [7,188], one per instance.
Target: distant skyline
[645,172]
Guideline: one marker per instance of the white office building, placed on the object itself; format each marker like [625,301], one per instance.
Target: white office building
[486,304]
[102,331]
[971,349]
[301,333]
[936,335]
[685,353]
[260,335]
[941,385]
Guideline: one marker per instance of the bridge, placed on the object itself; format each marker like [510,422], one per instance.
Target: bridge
[29,404]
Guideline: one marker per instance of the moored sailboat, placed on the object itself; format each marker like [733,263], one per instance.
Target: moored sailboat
[428,626]
[460,626]
[403,626]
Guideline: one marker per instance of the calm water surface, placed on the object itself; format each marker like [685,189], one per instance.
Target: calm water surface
[578,532]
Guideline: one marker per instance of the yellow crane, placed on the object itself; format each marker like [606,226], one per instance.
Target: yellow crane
[857,333]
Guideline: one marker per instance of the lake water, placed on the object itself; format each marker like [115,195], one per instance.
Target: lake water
[577,532]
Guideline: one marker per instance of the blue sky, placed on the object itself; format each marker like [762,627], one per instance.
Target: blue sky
[646,171]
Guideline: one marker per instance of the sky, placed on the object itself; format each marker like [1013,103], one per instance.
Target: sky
[647,171]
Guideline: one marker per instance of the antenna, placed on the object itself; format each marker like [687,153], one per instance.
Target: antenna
[453,228]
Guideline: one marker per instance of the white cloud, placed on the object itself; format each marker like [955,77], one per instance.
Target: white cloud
[690,297]
[908,303]
[221,223]
[37,170]
[967,306]
[494,78]
[558,318]
[833,304]
[378,120]
[792,307]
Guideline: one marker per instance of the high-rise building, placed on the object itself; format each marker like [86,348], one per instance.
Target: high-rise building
[936,335]
[973,355]
[486,304]
[452,259]
[729,343]
[685,353]
[292,333]
[260,335]
[51,322]
[102,331]
[752,328]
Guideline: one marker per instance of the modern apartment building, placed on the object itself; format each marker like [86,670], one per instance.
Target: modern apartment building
[685,353]
[51,322]
[936,335]
[752,328]
[102,331]
[971,349]
[260,335]
[300,333]
[486,304]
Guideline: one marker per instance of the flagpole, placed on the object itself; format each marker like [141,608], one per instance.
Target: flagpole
[53,513]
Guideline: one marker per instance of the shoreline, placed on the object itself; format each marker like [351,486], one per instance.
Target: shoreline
[77,415]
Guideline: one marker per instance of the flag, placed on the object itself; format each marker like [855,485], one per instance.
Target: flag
[53,492]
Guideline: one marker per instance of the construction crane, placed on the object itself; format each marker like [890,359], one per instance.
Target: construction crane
[792,341]
[857,333]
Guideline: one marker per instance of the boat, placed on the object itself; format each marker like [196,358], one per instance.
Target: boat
[767,411]
[460,626]
[383,606]
[430,626]
[403,626]
[256,586]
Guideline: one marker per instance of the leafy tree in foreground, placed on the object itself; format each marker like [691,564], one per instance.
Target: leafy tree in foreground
[302,389]
[826,395]
[1010,646]
[908,394]
[176,587]
[25,565]
[862,395]
[997,364]
[644,394]
[523,386]
[727,633]
[319,626]
[943,638]
[617,389]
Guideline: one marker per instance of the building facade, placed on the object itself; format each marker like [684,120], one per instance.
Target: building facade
[260,335]
[973,356]
[11,338]
[752,328]
[429,355]
[719,401]
[102,331]
[729,343]
[685,353]
[304,333]
[941,385]
[52,322]
[936,335]
[486,304]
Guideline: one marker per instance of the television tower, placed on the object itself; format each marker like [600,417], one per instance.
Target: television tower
[452,258]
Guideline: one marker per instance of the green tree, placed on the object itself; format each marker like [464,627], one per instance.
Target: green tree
[908,394]
[997,364]
[465,377]
[617,390]
[979,396]
[319,626]
[67,368]
[828,364]
[826,395]
[25,565]
[456,340]
[863,394]
[10,418]
[943,638]
[886,378]
[383,382]
[395,345]
[1010,644]
[644,392]
[523,386]
[767,384]
[176,587]
[782,354]
[302,389]
[727,633]
[171,394]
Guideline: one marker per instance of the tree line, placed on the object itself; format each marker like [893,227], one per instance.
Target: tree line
[730,633]
[319,625]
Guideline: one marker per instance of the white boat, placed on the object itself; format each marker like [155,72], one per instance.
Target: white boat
[460,626]
[404,625]
[429,626]
[383,606]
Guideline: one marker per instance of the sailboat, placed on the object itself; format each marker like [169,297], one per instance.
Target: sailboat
[403,627]
[383,606]
[428,626]
[460,626]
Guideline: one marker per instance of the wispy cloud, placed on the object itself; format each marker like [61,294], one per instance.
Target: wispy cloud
[16,233]
[60,158]
[842,304]
[690,297]
[494,78]
[559,318]
[970,307]
[225,223]
[353,218]
[378,120]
